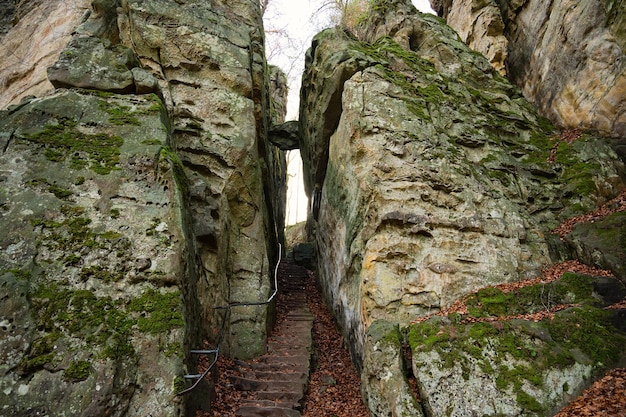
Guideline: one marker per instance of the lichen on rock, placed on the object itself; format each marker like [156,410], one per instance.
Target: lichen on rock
[98,285]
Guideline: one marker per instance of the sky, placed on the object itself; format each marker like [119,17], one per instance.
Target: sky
[289,26]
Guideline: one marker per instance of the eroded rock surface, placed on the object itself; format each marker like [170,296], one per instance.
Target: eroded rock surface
[430,175]
[93,258]
[567,57]
[133,220]
[41,31]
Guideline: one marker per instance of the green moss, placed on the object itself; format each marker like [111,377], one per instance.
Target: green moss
[151,142]
[160,312]
[520,352]
[167,155]
[489,302]
[527,402]
[579,285]
[119,115]
[30,365]
[62,139]
[115,213]
[79,180]
[41,352]
[101,273]
[60,192]
[77,371]
[590,330]
[20,274]
[173,349]
[179,385]
[426,335]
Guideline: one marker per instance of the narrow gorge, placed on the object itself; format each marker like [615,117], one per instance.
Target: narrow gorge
[143,184]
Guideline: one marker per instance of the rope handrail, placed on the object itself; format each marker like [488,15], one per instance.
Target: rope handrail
[216,351]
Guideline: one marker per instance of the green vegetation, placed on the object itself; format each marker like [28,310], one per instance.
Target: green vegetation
[492,302]
[100,151]
[101,322]
[163,312]
[119,115]
[40,353]
[169,156]
[517,353]
[77,371]
[101,273]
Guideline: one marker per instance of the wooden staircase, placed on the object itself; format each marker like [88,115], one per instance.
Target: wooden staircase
[274,385]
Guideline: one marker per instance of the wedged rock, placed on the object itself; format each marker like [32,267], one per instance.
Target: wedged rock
[93,258]
[567,56]
[438,180]
[285,135]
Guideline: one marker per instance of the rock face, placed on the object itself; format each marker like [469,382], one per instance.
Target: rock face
[514,366]
[431,177]
[33,43]
[93,258]
[567,57]
[139,200]
[209,61]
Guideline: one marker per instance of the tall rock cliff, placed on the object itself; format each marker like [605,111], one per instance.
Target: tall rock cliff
[568,57]
[138,201]
[431,177]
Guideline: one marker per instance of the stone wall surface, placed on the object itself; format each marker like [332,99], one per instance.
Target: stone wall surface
[93,257]
[142,196]
[431,177]
[568,57]
[209,61]
[33,43]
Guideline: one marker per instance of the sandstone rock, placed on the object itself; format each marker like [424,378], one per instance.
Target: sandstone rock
[383,379]
[208,59]
[437,181]
[88,191]
[567,57]
[430,179]
[33,44]
[94,63]
[515,367]
[480,26]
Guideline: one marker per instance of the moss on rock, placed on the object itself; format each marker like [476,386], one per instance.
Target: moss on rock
[515,356]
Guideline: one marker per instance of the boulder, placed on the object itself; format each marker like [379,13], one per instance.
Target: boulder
[93,259]
[285,136]
[517,366]
[97,64]
[567,56]
[601,243]
[433,176]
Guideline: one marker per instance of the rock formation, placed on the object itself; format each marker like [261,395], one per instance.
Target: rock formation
[139,199]
[142,200]
[568,57]
[432,177]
